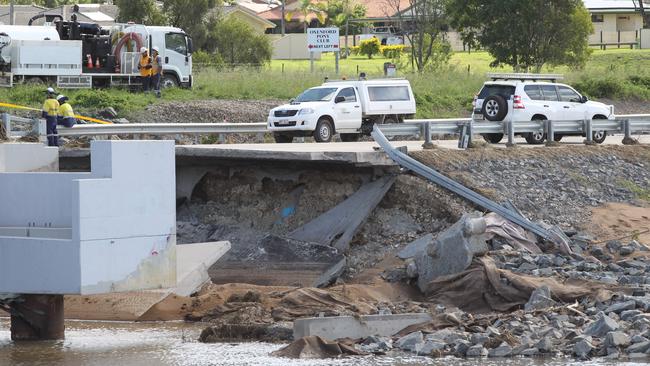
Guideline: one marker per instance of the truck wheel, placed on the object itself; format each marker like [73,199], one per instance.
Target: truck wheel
[389,120]
[350,137]
[536,138]
[168,81]
[493,138]
[324,130]
[495,108]
[557,138]
[599,136]
[282,139]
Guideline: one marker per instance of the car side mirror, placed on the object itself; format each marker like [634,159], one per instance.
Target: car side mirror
[291,100]
[339,99]
[584,99]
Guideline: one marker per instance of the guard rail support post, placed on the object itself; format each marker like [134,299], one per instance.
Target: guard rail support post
[39,126]
[221,138]
[427,136]
[627,129]
[589,133]
[510,129]
[470,132]
[550,133]
[6,121]
[260,138]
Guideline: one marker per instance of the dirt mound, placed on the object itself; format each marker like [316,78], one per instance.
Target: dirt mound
[207,111]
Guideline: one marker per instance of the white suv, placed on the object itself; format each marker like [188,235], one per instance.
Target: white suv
[523,97]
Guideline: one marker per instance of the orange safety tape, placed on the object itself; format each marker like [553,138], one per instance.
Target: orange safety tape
[89,119]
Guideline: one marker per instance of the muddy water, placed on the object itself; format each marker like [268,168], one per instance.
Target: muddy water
[113,343]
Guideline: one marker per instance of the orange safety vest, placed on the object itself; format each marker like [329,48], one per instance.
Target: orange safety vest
[144,61]
[157,65]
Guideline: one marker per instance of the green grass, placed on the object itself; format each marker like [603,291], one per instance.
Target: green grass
[616,74]
[640,192]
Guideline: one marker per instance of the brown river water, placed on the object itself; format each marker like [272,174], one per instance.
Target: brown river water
[174,343]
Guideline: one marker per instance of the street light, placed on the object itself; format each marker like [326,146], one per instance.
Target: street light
[281,4]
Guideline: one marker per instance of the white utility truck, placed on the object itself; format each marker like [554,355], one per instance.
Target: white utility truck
[84,55]
[347,107]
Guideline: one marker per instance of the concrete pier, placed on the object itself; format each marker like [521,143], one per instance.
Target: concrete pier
[37,317]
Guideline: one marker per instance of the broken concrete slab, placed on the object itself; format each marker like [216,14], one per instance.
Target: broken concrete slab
[193,261]
[338,226]
[415,247]
[452,251]
[356,327]
[276,261]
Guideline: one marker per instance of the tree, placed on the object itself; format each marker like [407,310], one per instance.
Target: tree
[191,16]
[235,42]
[339,12]
[526,34]
[424,24]
[140,11]
[305,8]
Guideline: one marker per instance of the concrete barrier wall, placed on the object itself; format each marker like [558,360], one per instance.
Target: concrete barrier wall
[122,218]
[337,327]
[43,199]
[23,157]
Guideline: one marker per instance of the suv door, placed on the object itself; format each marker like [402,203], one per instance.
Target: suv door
[570,100]
[551,102]
[348,112]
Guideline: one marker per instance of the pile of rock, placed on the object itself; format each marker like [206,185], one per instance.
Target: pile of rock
[615,330]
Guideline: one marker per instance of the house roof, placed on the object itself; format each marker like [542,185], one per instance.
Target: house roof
[374,9]
[92,13]
[257,6]
[612,6]
[230,9]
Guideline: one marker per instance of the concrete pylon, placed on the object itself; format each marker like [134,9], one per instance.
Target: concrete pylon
[37,317]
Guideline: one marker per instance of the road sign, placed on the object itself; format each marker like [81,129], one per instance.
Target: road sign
[323,39]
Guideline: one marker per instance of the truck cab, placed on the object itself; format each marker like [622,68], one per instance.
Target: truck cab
[349,108]
[175,49]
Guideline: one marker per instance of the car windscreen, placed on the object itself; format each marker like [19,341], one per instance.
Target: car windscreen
[388,93]
[316,95]
[506,91]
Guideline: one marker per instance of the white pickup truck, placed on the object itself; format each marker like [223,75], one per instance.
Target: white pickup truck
[347,107]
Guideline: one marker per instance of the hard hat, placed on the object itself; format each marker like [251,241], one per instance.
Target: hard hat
[50,90]
[143,49]
[61,97]
[155,49]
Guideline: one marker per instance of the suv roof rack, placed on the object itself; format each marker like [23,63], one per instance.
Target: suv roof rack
[525,76]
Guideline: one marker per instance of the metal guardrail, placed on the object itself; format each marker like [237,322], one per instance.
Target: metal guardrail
[464,127]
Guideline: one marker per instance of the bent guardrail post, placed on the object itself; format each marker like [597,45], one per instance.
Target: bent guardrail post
[451,185]
[427,136]
[589,133]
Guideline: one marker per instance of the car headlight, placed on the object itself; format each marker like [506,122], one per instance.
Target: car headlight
[306,111]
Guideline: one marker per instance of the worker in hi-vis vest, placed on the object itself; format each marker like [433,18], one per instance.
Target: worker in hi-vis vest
[156,70]
[50,113]
[66,114]
[145,69]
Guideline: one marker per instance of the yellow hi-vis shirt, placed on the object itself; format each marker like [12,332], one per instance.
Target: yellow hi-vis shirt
[157,65]
[65,110]
[51,107]
[144,61]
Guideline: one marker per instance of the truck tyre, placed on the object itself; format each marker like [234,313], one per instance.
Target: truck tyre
[536,138]
[557,138]
[495,108]
[389,120]
[493,138]
[168,81]
[282,139]
[599,136]
[324,130]
[350,137]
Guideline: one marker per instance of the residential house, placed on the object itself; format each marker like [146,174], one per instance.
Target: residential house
[248,16]
[615,21]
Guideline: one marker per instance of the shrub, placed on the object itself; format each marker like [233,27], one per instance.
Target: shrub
[394,51]
[370,47]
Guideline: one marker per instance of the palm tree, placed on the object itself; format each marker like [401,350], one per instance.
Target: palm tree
[305,7]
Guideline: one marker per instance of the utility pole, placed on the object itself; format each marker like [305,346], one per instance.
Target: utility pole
[12,14]
[282,15]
